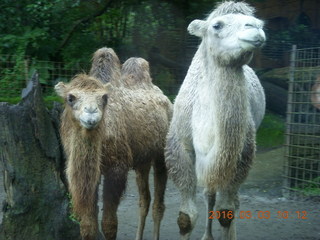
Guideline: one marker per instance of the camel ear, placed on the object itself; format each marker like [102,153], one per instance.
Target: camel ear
[60,89]
[108,87]
[197,27]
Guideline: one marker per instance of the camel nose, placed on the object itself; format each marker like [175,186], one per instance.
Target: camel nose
[91,109]
[92,122]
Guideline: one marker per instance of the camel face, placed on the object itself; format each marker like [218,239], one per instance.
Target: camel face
[86,98]
[230,37]
[88,108]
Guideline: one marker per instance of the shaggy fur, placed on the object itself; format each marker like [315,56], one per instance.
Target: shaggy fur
[106,66]
[211,140]
[130,135]
[135,74]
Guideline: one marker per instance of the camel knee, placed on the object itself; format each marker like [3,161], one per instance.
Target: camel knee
[110,228]
[158,211]
[89,229]
[144,204]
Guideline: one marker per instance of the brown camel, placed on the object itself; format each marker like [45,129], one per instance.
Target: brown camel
[108,128]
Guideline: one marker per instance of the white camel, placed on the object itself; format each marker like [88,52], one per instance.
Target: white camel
[211,139]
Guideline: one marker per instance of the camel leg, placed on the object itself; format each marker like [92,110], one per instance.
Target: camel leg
[142,178]
[181,170]
[89,218]
[114,185]
[227,204]
[210,198]
[160,182]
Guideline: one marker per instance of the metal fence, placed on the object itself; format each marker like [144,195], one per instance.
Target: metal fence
[15,72]
[302,166]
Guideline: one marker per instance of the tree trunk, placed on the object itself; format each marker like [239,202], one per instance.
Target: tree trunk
[36,204]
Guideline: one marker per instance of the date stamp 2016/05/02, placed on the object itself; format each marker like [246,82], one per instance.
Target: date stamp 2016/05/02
[258,215]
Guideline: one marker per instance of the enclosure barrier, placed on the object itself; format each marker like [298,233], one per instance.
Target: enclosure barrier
[302,164]
[16,70]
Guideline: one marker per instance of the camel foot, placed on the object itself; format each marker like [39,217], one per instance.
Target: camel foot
[184,223]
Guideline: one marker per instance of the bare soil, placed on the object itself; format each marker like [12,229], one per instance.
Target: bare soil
[260,195]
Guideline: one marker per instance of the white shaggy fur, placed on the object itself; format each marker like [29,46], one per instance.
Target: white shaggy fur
[211,140]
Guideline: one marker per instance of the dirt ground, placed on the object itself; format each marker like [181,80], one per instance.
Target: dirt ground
[260,193]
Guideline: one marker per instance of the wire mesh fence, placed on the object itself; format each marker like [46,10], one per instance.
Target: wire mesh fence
[15,72]
[302,166]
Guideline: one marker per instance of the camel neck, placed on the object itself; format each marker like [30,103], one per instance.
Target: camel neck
[225,89]
[220,73]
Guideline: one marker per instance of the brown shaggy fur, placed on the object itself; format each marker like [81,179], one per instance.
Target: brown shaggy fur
[135,74]
[130,135]
[106,66]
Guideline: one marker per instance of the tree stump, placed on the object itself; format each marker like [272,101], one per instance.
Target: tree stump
[36,204]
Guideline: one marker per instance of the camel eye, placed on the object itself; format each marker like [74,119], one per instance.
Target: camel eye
[71,99]
[218,25]
[105,99]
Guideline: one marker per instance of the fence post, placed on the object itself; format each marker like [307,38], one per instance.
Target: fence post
[286,191]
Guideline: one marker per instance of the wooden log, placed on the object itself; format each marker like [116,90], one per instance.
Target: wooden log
[276,98]
[36,204]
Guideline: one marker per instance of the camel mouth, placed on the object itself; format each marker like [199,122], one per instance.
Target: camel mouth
[88,125]
[254,43]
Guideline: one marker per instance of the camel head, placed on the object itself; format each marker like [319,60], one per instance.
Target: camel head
[230,38]
[86,98]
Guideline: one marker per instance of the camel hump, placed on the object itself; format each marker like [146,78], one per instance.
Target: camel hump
[231,7]
[106,66]
[135,72]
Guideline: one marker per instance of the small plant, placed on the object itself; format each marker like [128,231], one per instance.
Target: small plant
[72,216]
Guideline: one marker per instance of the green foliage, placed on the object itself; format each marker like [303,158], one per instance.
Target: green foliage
[12,100]
[165,80]
[48,100]
[13,79]
[271,131]
[72,216]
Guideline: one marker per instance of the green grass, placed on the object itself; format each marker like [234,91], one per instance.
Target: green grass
[12,100]
[48,100]
[311,189]
[271,131]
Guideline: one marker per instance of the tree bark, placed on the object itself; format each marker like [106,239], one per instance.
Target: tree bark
[36,204]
